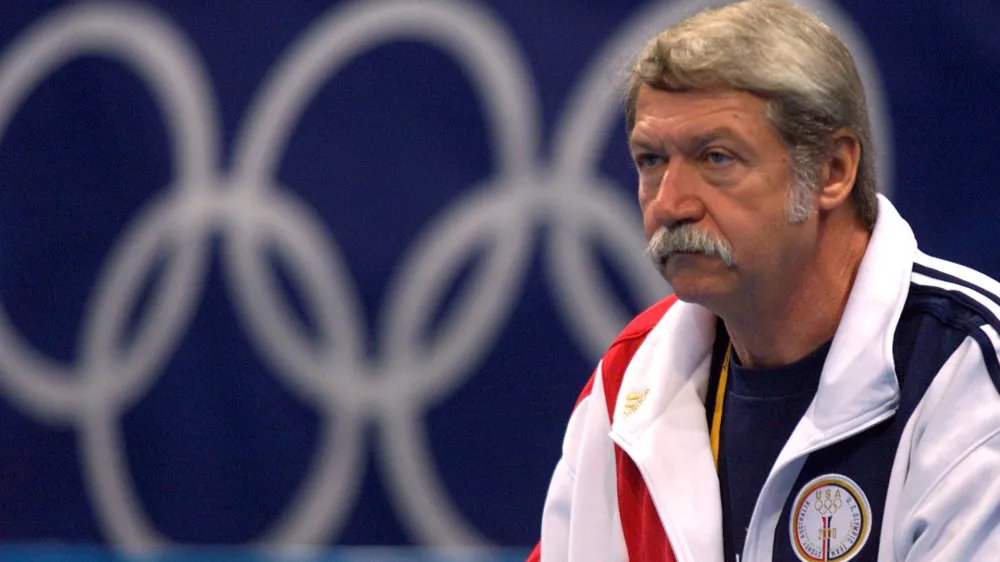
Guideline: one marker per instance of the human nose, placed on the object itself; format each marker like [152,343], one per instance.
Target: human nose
[676,199]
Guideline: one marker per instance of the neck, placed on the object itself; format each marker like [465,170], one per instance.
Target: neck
[795,314]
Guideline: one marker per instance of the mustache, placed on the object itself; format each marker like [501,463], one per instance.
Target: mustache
[687,238]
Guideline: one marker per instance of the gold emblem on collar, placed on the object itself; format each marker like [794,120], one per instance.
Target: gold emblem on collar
[633,401]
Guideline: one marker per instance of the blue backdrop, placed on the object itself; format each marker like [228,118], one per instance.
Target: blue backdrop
[334,274]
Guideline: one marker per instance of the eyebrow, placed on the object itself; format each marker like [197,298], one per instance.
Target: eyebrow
[635,145]
[694,144]
[699,142]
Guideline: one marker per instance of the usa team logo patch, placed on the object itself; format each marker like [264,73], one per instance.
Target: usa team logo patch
[831,519]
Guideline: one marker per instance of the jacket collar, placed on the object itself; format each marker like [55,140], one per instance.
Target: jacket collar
[858,380]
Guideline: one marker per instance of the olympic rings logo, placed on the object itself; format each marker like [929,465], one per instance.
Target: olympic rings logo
[827,506]
[246,208]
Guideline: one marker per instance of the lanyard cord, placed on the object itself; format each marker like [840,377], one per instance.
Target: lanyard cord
[720,397]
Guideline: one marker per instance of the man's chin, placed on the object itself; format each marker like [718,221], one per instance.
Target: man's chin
[690,296]
[712,298]
[696,287]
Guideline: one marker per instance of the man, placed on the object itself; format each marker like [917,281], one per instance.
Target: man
[818,388]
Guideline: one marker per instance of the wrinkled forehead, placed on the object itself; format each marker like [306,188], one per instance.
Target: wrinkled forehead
[687,112]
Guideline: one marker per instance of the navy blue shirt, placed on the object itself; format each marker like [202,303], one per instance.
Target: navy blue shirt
[760,411]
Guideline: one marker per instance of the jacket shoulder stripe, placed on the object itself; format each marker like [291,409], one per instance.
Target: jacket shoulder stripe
[970,296]
[965,281]
[983,301]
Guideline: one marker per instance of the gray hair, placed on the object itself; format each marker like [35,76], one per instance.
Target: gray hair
[686,237]
[784,55]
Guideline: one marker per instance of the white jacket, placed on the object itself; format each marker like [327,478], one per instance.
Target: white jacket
[636,458]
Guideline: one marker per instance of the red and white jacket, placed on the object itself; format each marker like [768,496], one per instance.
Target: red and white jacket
[606,468]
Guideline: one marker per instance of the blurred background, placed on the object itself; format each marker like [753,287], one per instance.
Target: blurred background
[308,278]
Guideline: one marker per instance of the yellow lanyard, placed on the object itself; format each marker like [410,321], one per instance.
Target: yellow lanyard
[720,397]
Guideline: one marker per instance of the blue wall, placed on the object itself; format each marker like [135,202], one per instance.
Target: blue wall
[333,274]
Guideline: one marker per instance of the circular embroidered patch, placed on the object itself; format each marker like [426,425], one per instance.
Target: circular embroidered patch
[830,519]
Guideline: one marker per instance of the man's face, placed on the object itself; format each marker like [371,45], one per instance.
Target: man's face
[710,163]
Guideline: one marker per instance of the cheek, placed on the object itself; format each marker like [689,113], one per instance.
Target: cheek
[764,246]
[751,241]
[644,198]
[649,226]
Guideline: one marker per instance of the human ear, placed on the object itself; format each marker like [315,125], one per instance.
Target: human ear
[839,170]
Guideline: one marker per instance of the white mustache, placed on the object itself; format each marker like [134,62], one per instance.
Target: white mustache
[687,238]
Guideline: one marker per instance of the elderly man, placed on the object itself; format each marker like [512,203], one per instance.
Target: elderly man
[818,388]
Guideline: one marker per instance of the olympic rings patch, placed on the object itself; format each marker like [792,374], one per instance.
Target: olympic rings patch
[831,519]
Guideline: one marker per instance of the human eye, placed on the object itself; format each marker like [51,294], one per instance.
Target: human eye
[717,157]
[647,160]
